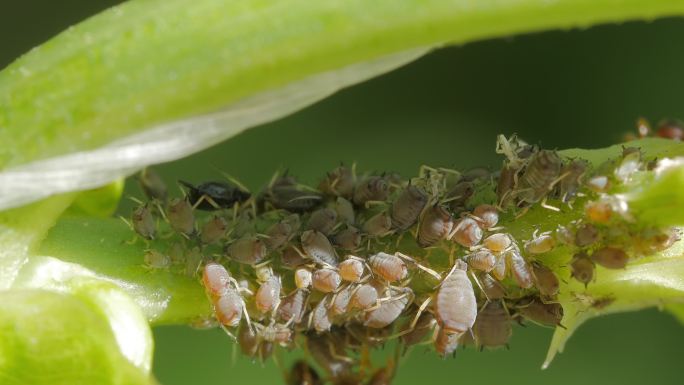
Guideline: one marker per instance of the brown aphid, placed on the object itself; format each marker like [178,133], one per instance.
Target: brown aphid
[388,266]
[455,305]
[497,242]
[248,341]
[446,342]
[213,230]
[268,295]
[318,247]
[156,260]
[423,326]
[382,376]
[545,314]
[610,257]
[482,260]
[572,174]
[407,207]
[153,185]
[582,268]
[215,278]
[500,269]
[564,235]
[542,170]
[282,232]
[322,220]
[520,270]
[540,244]
[303,278]
[326,280]
[351,269]
[586,235]
[373,188]
[284,193]
[599,211]
[228,308]
[327,354]
[290,257]
[265,350]
[348,239]
[458,196]
[177,253]
[338,182]
[506,184]
[487,215]
[545,280]
[302,373]
[364,297]
[320,319]
[345,211]
[467,232]
[378,225]
[598,183]
[492,289]
[435,225]
[249,250]
[341,300]
[492,327]
[389,310]
[193,260]
[180,216]
[292,307]
[143,222]
[670,129]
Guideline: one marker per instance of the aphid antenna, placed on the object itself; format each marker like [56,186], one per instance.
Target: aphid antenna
[477,282]
[418,265]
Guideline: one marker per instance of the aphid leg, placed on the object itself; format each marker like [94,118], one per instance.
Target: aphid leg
[549,207]
[130,225]
[477,282]
[418,265]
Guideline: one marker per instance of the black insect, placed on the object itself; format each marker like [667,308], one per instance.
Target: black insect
[211,196]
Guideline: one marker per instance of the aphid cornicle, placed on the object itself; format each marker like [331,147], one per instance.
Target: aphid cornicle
[364,296]
[143,222]
[540,244]
[435,225]
[303,278]
[318,247]
[292,307]
[282,232]
[348,239]
[407,207]
[320,319]
[215,278]
[497,242]
[446,342]
[388,311]
[545,280]
[492,327]
[351,269]
[326,280]
[586,235]
[455,305]
[487,215]
[180,215]
[214,195]
[322,220]
[249,250]
[482,260]
[467,232]
[153,185]
[302,373]
[582,268]
[378,225]
[213,230]
[388,266]
[338,182]
[156,260]
[610,257]
[545,314]
[268,295]
[374,188]
[520,270]
[541,172]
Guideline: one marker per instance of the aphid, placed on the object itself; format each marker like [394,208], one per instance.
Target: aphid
[492,289]
[152,185]
[545,280]
[389,310]
[467,232]
[318,247]
[282,232]
[499,270]
[506,184]
[670,129]
[599,211]
[610,257]
[322,220]
[407,207]
[492,327]
[284,193]
[497,242]
[213,230]
[265,350]
[364,296]
[586,235]
[582,268]
[156,260]
[268,295]
[540,244]
[328,354]
[378,225]
[520,270]
[564,235]
[598,183]
[228,308]
[435,225]
[249,250]
[458,196]
[181,217]
[541,172]
[446,342]
[303,278]
[476,173]
[572,174]
[248,341]
[482,260]
[345,211]
[630,163]
[487,215]
[292,258]
[326,280]
[348,239]
[144,223]
[213,195]
[302,373]
[389,267]
[278,333]
[545,314]
[374,188]
[351,269]
[293,305]
[215,278]
[455,304]
[338,182]
[177,253]
[417,334]
[341,300]
[193,260]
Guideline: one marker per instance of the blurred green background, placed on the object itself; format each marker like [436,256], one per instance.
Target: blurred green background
[579,88]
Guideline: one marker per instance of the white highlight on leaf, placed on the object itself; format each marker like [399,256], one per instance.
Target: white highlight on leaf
[174,140]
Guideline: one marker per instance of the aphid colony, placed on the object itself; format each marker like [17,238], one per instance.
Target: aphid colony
[361,260]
